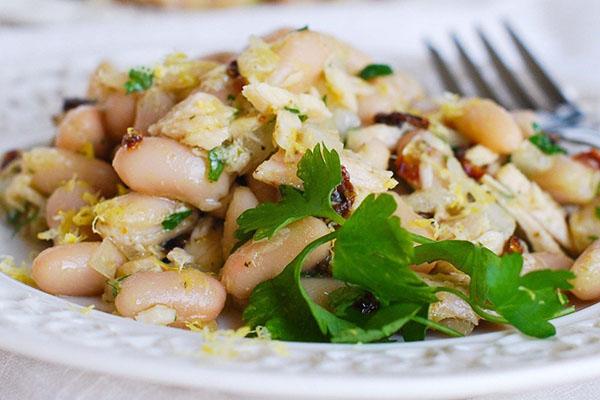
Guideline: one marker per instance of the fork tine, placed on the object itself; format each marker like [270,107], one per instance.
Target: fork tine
[517,91]
[482,86]
[551,89]
[448,79]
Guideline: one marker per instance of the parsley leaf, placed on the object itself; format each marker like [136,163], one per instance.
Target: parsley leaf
[173,220]
[321,172]
[372,71]
[285,309]
[597,212]
[544,142]
[526,302]
[373,251]
[304,28]
[140,79]
[216,164]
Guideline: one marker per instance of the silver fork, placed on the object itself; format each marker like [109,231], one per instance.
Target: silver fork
[563,117]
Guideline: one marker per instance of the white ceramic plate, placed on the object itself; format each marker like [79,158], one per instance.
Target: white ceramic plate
[38,67]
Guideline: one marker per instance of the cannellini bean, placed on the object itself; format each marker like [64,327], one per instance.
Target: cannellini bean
[243,199]
[525,120]
[410,220]
[154,104]
[568,181]
[205,244]
[258,261]
[64,270]
[162,167]
[586,285]
[486,123]
[545,260]
[68,197]
[119,112]
[82,127]
[262,191]
[134,221]
[51,168]
[194,295]
[584,226]
[319,289]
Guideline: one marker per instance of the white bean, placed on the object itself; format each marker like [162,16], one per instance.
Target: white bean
[486,123]
[64,270]
[119,112]
[152,106]
[81,127]
[584,225]
[194,295]
[51,168]
[68,197]
[243,199]
[258,261]
[134,222]
[162,167]
[568,181]
[586,285]
[319,289]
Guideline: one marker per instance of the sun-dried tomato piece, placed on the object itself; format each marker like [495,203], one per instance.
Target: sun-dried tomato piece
[407,168]
[344,195]
[474,171]
[591,158]
[9,157]
[132,139]
[513,245]
[398,119]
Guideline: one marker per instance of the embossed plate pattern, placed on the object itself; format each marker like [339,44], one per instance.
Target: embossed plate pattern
[39,67]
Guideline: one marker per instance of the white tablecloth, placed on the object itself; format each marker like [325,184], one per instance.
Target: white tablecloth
[25,378]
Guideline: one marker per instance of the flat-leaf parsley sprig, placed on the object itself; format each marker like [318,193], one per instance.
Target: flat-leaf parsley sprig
[372,255]
[321,172]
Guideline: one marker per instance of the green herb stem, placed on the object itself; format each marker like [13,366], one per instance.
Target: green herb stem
[437,326]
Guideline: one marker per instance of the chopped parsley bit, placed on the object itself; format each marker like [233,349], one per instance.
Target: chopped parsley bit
[115,284]
[304,28]
[230,97]
[593,238]
[321,172]
[374,70]
[19,219]
[544,142]
[597,212]
[324,98]
[140,79]
[216,164]
[372,255]
[294,110]
[173,220]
